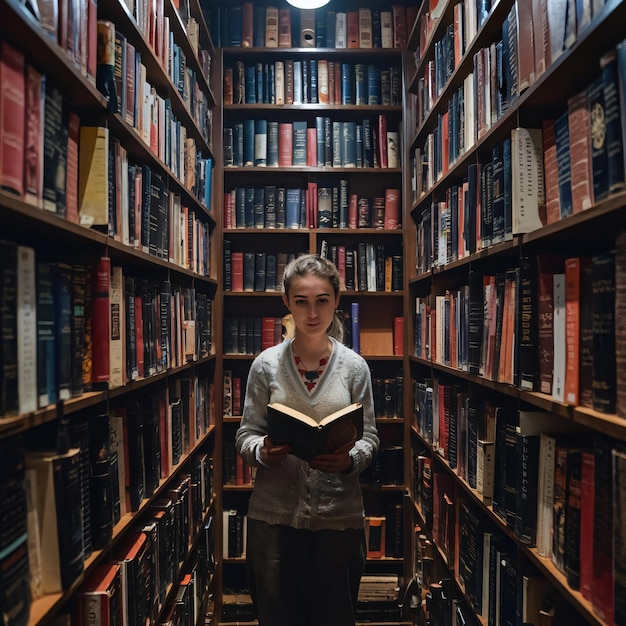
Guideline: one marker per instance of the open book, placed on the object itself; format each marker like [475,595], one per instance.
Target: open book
[308,438]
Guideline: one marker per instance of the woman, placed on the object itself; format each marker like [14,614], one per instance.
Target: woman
[305,549]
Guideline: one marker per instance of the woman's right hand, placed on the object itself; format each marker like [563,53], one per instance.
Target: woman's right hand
[272,455]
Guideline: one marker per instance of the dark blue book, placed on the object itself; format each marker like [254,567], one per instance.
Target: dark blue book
[506,189]
[320,28]
[269,72]
[348,149]
[561,129]
[269,220]
[324,207]
[373,85]
[259,83]
[292,208]
[248,143]
[259,26]
[238,141]
[234,25]
[599,157]
[61,275]
[272,144]
[260,261]
[313,91]
[299,143]
[271,276]
[613,121]
[281,199]
[337,143]
[330,29]
[248,271]
[347,84]
[359,145]
[248,214]
[368,154]
[259,208]
[250,88]
[46,366]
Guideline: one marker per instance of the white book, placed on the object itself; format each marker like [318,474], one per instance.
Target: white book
[271,27]
[485,467]
[341,29]
[468,98]
[393,148]
[365,27]
[527,184]
[34,535]
[545,495]
[26,330]
[560,350]
[386,29]
[279,71]
[487,538]
[117,362]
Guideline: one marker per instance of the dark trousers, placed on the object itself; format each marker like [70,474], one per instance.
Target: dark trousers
[303,577]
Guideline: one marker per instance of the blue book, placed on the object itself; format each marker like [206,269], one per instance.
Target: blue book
[258,216]
[259,26]
[281,199]
[561,130]
[348,147]
[320,28]
[337,139]
[269,217]
[313,96]
[250,84]
[356,327]
[260,83]
[208,182]
[272,144]
[238,144]
[292,208]
[271,273]
[347,88]
[613,119]
[248,221]
[319,141]
[248,143]
[330,29]
[324,207]
[373,85]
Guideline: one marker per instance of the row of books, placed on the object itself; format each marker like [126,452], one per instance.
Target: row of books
[74,170]
[578,171]
[323,204]
[126,95]
[330,143]
[144,214]
[549,326]
[248,25]
[71,328]
[312,81]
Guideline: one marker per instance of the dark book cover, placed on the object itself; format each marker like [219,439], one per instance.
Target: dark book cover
[308,438]
[564,168]
[475,326]
[269,205]
[613,121]
[573,518]
[527,362]
[132,370]
[151,443]
[46,366]
[599,155]
[527,471]
[505,462]
[8,318]
[79,285]
[603,309]
[470,555]
[619,547]
[62,288]
[260,262]
[134,440]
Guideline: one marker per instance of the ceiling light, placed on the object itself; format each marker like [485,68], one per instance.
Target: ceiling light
[308,4]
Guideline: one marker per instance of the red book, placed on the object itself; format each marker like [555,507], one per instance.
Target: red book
[236,268]
[285,144]
[392,209]
[586,525]
[267,332]
[398,336]
[33,139]
[341,266]
[551,174]
[237,408]
[100,318]
[382,141]
[100,595]
[353,29]
[12,121]
[578,120]
[399,25]
[353,211]
[71,178]
[311,147]
[284,28]
[92,39]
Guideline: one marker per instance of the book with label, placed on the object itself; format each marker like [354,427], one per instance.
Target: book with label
[308,438]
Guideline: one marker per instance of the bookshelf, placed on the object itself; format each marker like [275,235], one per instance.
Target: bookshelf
[263,106]
[464,403]
[86,331]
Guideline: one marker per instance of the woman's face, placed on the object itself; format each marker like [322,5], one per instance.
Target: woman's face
[312,303]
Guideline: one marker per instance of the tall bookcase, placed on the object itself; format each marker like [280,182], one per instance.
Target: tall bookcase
[517,415]
[113,283]
[288,183]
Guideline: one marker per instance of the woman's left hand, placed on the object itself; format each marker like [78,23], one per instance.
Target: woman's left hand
[335,463]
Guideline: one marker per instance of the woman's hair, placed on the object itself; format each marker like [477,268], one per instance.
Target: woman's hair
[322,268]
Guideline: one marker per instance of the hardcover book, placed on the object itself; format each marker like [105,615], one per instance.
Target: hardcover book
[309,438]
